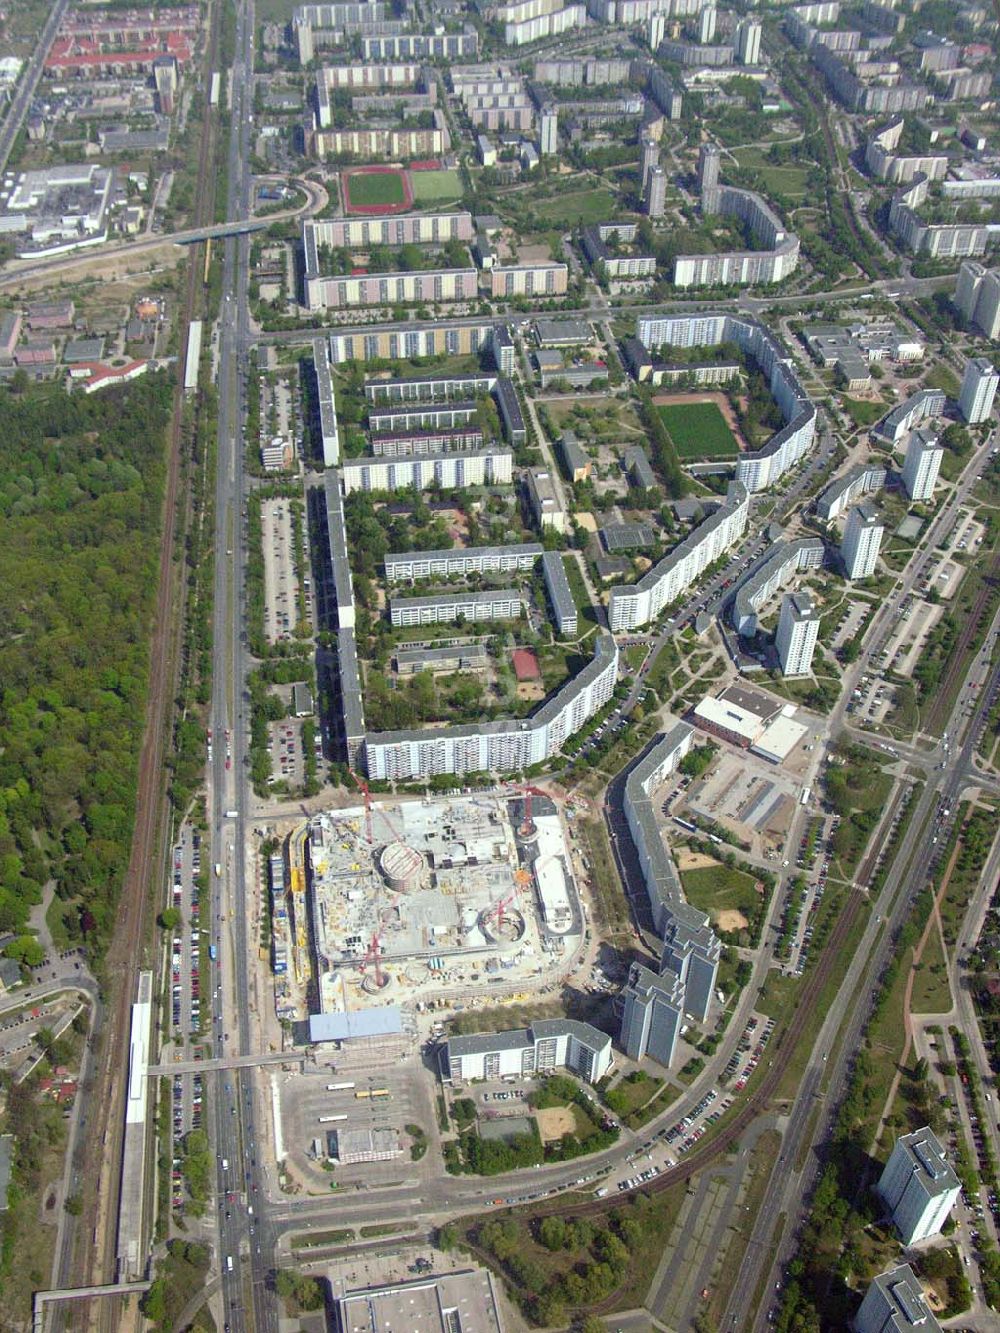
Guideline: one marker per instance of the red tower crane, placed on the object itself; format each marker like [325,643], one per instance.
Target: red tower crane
[369,833]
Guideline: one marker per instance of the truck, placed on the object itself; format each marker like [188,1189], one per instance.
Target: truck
[232,814]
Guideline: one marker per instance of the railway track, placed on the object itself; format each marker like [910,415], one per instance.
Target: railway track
[957,664]
[95,1260]
[756,1104]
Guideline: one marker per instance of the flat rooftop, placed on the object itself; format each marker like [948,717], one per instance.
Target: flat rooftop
[463,1302]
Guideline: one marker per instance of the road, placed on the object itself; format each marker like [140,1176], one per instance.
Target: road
[28,82]
[242,1238]
[949,772]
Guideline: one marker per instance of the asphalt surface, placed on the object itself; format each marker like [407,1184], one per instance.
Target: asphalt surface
[28,82]
[243,1251]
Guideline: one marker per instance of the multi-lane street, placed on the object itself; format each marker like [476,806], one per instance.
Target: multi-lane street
[28,82]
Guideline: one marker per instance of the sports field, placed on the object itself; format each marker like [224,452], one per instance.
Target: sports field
[698,430]
[435,187]
[375,188]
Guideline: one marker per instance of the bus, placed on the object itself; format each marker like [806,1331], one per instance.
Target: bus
[380,1092]
[338,1087]
[330,1119]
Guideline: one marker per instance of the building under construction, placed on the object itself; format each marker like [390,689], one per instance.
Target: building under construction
[411,903]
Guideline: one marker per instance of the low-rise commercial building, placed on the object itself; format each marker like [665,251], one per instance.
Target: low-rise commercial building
[460,657]
[463,1301]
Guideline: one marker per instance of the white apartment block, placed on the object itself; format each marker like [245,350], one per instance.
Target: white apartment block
[919,1186]
[852,486]
[530,280]
[862,540]
[329,433]
[495,604]
[544,500]
[894,1303]
[979,388]
[545,25]
[383,141]
[484,468]
[404,229]
[461,560]
[639,603]
[798,630]
[382,289]
[501,746]
[762,468]
[922,465]
[785,560]
[548,1045]
[977,296]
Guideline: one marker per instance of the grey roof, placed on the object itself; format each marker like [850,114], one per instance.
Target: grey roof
[665,888]
[925,403]
[482,1043]
[472,382]
[302,700]
[562,330]
[351,707]
[895,1303]
[343,589]
[387,410]
[10,972]
[736,495]
[475,652]
[457,600]
[604,648]
[459,554]
[927,1156]
[859,480]
[557,585]
[585,1033]
[783,561]
[637,462]
[386,1021]
[83,349]
[626,536]
[507,402]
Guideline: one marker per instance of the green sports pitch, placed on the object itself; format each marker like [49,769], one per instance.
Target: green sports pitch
[698,430]
[368,189]
[436,187]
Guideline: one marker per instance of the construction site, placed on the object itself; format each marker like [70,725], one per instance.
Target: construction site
[411,904]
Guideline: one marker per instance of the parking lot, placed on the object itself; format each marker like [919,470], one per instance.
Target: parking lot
[285,747]
[312,1105]
[281,589]
[186,999]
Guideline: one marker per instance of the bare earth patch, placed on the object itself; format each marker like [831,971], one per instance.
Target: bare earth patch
[730,919]
[688,860]
[554,1122]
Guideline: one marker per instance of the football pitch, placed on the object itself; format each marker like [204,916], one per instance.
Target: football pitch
[369,189]
[698,430]
[433,187]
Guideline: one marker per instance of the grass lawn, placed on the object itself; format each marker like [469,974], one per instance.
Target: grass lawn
[788,180]
[931,992]
[610,904]
[435,187]
[630,1093]
[576,207]
[719,888]
[943,378]
[379,187]
[698,430]
[863,413]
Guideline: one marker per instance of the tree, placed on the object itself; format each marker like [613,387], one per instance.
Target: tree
[447,1237]
[26,949]
[552,1233]
[170,918]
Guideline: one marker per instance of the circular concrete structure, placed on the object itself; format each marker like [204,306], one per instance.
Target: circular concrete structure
[402,866]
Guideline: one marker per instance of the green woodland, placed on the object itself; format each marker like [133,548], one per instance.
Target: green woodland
[81,484]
